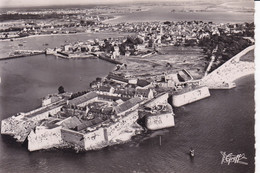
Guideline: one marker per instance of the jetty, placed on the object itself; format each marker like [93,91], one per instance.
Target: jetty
[23,53]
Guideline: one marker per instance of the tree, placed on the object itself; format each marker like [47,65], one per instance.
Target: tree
[61,90]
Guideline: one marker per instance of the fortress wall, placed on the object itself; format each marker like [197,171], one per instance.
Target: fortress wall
[124,123]
[73,137]
[43,138]
[160,121]
[95,139]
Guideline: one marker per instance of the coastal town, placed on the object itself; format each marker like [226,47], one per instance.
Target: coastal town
[129,101]
[146,85]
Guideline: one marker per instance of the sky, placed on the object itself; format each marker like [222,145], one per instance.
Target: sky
[25,3]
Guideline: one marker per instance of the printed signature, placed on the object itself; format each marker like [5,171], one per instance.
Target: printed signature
[232,158]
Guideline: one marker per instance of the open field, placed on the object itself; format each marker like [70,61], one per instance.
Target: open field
[172,60]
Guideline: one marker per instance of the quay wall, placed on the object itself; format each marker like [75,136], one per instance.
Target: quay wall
[190,96]
[160,121]
[229,71]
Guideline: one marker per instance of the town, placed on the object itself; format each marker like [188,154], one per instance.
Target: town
[19,23]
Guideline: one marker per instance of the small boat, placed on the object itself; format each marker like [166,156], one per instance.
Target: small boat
[192,154]
[20,44]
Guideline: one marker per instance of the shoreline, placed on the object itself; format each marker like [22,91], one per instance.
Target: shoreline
[46,35]
[240,78]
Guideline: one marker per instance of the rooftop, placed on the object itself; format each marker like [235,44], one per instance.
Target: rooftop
[71,122]
[117,77]
[83,98]
[127,105]
[142,83]
[43,110]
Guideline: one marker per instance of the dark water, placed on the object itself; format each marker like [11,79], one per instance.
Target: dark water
[223,122]
[26,80]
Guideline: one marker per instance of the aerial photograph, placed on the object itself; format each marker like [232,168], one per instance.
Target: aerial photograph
[127,86]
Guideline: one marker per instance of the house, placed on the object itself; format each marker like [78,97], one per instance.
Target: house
[70,122]
[143,84]
[184,76]
[127,106]
[133,81]
[67,48]
[106,90]
[127,53]
[140,47]
[44,113]
[116,52]
[117,78]
[91,123]
[125,93]
[144,93]
[51,99]
[171,79]
[83,100]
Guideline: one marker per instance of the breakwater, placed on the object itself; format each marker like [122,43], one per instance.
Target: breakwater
[225,75]
[24,54]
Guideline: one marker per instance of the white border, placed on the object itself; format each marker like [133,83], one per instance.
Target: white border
[257,87]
